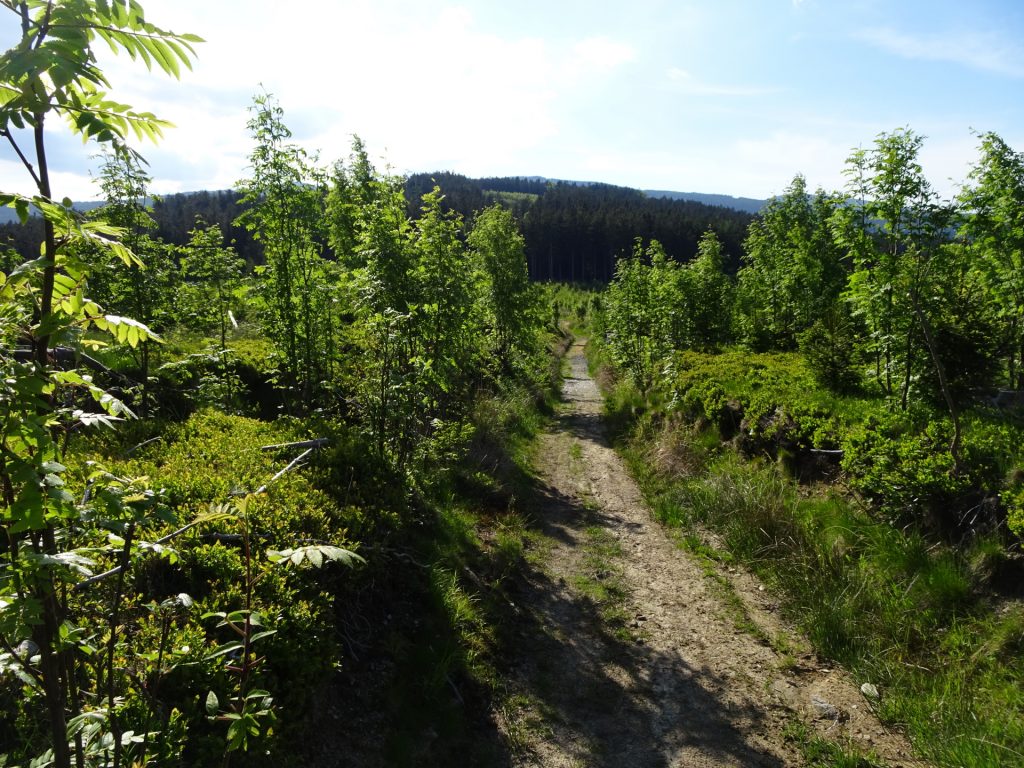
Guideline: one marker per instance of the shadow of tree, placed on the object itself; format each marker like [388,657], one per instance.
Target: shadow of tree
[609,699]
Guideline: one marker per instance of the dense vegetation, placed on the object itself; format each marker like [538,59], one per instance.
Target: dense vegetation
[846,413]
[576,232]
[172,587]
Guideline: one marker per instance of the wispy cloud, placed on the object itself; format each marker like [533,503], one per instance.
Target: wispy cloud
[984,51]
[684,82]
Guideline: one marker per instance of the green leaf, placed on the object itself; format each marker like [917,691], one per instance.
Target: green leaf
[212,703]
[223,650]
[315,555]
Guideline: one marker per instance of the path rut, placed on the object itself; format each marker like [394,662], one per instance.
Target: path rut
[629,655]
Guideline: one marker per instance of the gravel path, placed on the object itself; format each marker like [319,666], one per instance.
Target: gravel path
[631,651]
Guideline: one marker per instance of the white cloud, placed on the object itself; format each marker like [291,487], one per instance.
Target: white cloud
[746,167]
[598,55]
[429,86]
[682,81]
[77,186]
[988,52]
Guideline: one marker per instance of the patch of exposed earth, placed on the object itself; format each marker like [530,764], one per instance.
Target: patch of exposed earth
[632,652]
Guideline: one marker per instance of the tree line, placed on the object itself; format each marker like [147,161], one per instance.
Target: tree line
[885,276]
[574,232]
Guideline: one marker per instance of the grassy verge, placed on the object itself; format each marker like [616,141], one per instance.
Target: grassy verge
[431,618]
[928,622]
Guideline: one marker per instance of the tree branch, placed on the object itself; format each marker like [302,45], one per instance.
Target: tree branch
[21,156]
[24,664]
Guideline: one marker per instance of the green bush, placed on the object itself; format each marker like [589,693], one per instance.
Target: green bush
[830,348]
[904,467]
[212,458]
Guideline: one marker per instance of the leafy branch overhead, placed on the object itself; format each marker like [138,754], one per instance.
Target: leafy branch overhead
[53,69]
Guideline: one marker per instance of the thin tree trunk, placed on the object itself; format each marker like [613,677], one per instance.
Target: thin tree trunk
[54,688]
[54,685]
[940,370]
[908,364]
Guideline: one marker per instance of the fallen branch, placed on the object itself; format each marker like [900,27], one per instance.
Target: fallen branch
[143,444]
[291,465]
[117,569]
[316,443]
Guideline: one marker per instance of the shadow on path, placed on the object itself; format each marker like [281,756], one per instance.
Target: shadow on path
[610,700]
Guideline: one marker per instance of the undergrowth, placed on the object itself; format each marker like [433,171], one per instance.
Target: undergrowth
[429,615]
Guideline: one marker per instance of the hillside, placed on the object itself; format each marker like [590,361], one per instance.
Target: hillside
[574,231]
[748,204]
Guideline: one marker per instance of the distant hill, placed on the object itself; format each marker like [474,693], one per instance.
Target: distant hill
[10,216]
[533,184]
[575,230]
[748,204]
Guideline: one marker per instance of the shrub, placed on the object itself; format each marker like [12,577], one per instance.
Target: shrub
[830,348]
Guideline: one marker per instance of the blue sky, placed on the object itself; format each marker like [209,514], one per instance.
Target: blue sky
[724,96]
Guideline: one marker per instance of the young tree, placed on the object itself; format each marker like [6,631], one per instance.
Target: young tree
[353,187]
[145,294]
[994,211]
[385,259]
[792,271]
[211,278]
[419,321]
[709,294]
[631,322]
[890,204]
[446,316]
[285,195]
[52,72]
[895,232]
[512,304]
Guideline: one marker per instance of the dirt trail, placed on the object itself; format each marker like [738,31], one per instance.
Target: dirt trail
[631,653]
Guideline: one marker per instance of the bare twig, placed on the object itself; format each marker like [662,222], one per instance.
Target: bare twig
[291,465]
[316,443]
[143,444]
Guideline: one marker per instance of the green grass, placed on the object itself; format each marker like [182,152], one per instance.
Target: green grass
[822,753]
[601,581]
[899,606]
[576,451]
[573,307]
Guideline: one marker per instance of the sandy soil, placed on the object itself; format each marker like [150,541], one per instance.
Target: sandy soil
[630,651]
